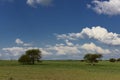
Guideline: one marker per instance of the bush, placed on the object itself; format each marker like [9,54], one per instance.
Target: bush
[112,60]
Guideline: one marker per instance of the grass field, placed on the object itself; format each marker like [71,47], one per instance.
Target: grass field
[59,70]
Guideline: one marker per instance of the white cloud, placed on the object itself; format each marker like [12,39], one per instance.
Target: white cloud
[26,44]
[69,49]
[17,51]
[45,52]
[57,51]
[64,49]
[33,3]
[74,50]
[109,7]
[98,33]
[70,36]
[20,42]
[69,43]
[91,47]
[14,51]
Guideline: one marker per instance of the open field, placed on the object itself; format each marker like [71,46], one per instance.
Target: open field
[59,70]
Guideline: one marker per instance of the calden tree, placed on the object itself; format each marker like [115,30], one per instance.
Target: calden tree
[30,56]
[92,58]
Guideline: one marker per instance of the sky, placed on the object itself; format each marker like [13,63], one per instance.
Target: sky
[61,29]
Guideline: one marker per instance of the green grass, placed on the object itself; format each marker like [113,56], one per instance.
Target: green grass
[60,70]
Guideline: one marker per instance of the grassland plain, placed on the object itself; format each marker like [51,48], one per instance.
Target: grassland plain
[60,70]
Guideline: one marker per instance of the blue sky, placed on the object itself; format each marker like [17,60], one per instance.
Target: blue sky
[61,29]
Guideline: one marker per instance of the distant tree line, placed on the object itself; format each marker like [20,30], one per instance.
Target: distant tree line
[34,55]
[114,60]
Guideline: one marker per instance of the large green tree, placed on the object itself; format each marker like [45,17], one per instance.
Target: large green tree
[92,58]
[30,56]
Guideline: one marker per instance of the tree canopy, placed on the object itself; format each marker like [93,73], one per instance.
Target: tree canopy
[92,58]
[30,56]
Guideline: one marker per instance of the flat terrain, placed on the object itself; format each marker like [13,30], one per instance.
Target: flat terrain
[59,70]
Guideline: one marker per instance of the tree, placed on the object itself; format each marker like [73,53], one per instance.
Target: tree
[92,58]
[112,60]
[34,54]
[30,56]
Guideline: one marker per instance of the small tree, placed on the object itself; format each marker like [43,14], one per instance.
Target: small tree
[30,56]
[112,60]
[92,58]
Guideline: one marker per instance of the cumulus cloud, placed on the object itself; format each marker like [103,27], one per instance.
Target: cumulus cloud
[20,42]
[14,51]
[33,3]
[108,7]
[18,51]
[45,52]
[58,49]
[98,33]
[62,49]
[68,49]
[69,43]
[91,47]
[70,36]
